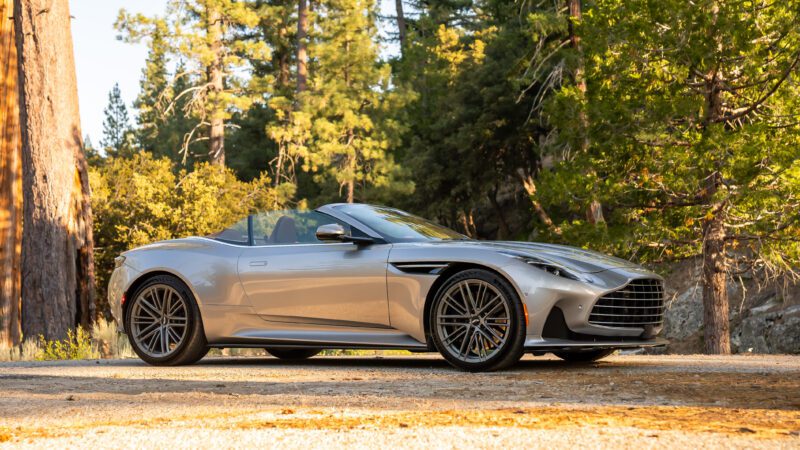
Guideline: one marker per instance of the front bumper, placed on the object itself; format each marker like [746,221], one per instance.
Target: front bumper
[544,294]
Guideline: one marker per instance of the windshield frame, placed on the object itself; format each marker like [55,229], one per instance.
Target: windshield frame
[338,210]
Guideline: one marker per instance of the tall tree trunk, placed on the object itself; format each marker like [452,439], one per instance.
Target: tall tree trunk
[57,253]
[575,42]
[401,24]
[10,183]
[529,185]
[715,290]
[283,70]
[302,36]
[350,191]
[716,323]
[594,212]
[502,226]
[214,72]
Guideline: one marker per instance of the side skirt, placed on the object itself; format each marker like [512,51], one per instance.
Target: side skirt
[366,340]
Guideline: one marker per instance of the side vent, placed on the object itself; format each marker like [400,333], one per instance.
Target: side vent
[422,267]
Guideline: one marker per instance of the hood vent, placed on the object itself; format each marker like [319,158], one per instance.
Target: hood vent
[421,267]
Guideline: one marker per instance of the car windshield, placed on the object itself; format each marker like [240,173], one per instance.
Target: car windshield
[399,226]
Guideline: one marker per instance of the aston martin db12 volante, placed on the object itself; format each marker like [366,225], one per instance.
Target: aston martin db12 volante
[356,276]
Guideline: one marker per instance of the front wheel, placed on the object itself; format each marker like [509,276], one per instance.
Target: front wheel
[163,323]
[585,355]
[478,322]
[292,354]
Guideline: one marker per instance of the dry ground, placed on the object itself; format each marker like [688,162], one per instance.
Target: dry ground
[625,401]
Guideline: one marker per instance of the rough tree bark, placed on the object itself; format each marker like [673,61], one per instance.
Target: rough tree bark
[401,24]
[214,73]
[594,212]
[10,183]
[302,77]
[57,252]
[716,325]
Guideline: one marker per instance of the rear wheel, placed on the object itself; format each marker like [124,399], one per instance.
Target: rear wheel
[163,323]
[477,321]
[585,355]
[292,354]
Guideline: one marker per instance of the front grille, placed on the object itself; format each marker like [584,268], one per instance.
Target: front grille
[640,303]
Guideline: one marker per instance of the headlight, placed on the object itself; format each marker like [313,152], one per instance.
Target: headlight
[553,268]
[550,268]
[119,261]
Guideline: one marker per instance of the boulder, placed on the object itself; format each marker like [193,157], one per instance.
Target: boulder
[775,329]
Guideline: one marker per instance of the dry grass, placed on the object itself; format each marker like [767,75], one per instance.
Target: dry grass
[105,341]
[757,423]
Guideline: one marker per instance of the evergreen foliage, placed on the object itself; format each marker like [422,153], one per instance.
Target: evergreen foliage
[117,132]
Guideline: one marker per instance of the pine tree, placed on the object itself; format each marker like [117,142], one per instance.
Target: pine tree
[199,33]
[347,100]
[693,139]
[250,149]
[116,140]
[155,92]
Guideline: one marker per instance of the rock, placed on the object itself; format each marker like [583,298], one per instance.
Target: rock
[684,314]
[765,316]
[773,331]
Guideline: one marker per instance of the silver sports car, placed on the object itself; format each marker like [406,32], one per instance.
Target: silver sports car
[356,276]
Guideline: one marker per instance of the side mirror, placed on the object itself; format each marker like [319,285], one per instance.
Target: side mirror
[331,232]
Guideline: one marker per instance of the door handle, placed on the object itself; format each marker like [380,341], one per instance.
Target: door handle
[258,263]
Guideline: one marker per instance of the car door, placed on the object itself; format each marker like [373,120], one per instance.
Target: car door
[290,276]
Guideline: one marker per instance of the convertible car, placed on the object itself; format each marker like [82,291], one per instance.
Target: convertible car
[357,276]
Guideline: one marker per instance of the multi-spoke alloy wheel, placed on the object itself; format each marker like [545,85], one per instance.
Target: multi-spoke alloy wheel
[159,320]
[477,321]
[473,319]
[163,322]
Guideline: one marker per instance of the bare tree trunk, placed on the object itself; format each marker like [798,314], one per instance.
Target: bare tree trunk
[716,325]
[530,188]
[715,290]
[302,35]
[57,254]
[401,24]
[594,212]
[279,163]
[350,191]
[503,230]
[351,166]
[214,72]
[575,42]
[10,184]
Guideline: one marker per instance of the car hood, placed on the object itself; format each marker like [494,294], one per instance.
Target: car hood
[580,260]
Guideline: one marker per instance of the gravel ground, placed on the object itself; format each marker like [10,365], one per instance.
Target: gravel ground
[419,401]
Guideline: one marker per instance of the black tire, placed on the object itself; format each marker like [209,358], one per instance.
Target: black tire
[293,354]
[193,345]
[584,356]
[503,354]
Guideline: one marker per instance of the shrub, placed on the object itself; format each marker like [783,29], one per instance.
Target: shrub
[77,345]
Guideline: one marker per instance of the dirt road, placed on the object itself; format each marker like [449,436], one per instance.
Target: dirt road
[651,401]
